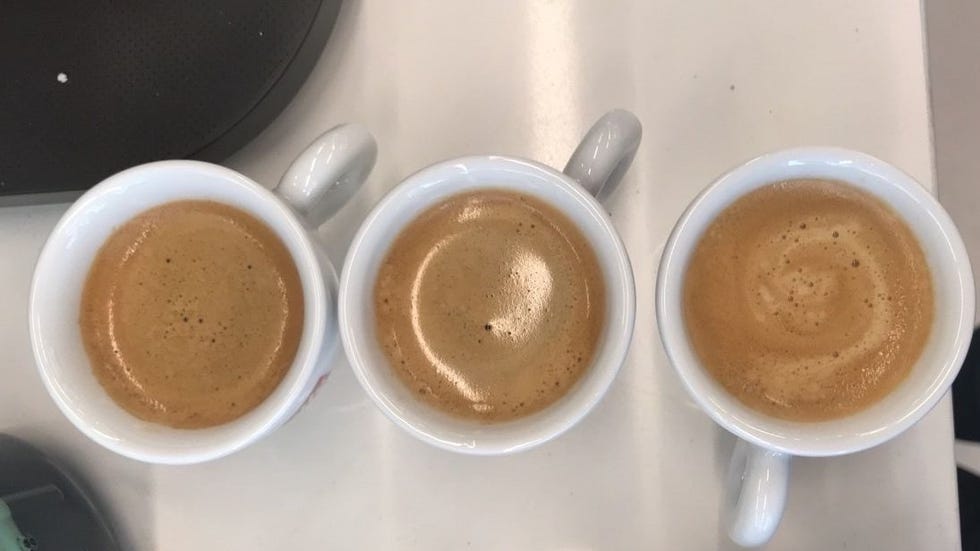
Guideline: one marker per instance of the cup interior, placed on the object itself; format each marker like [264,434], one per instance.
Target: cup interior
[425,189]
[56,296]
[941,358]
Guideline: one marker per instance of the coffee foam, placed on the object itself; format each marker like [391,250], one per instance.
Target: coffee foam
[808,300]
[191,314]
[490,305]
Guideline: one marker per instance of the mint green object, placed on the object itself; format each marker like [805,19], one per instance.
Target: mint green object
[10,537]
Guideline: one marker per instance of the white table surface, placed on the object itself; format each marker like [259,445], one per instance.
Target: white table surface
[714,84]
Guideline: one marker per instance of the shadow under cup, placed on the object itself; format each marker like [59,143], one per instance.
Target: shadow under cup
[56,295]
[370,246]
[941,358]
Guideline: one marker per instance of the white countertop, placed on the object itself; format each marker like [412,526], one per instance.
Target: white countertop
[714,84]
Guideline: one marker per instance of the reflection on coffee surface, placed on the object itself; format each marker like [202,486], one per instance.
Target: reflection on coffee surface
[191,314]
[808,300]
[490,305]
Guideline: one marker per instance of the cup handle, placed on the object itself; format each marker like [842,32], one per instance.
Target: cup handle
[756,493]
[328,173]
[605,153]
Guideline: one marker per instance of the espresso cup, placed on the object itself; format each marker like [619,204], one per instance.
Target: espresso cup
[593,170]
[759,468]
[316,185]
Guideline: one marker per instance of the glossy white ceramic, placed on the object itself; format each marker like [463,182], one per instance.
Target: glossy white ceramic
[598,163]
[758,501]
[321,181]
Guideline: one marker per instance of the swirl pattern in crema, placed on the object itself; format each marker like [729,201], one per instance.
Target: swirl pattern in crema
[808,300]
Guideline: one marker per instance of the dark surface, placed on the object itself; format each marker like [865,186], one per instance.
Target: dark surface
[968,486]
[145,81]
[52,509]
[966,395]
[966,422]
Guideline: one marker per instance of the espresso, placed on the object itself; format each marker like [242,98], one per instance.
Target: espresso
[808,300]
[191,314]
[490,305]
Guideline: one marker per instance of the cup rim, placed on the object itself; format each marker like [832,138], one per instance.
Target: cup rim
[299,372]
[357,264]
[674,335]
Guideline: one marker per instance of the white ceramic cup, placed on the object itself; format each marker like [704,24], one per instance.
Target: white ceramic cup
[759,468]
[318,183]
[595,167]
